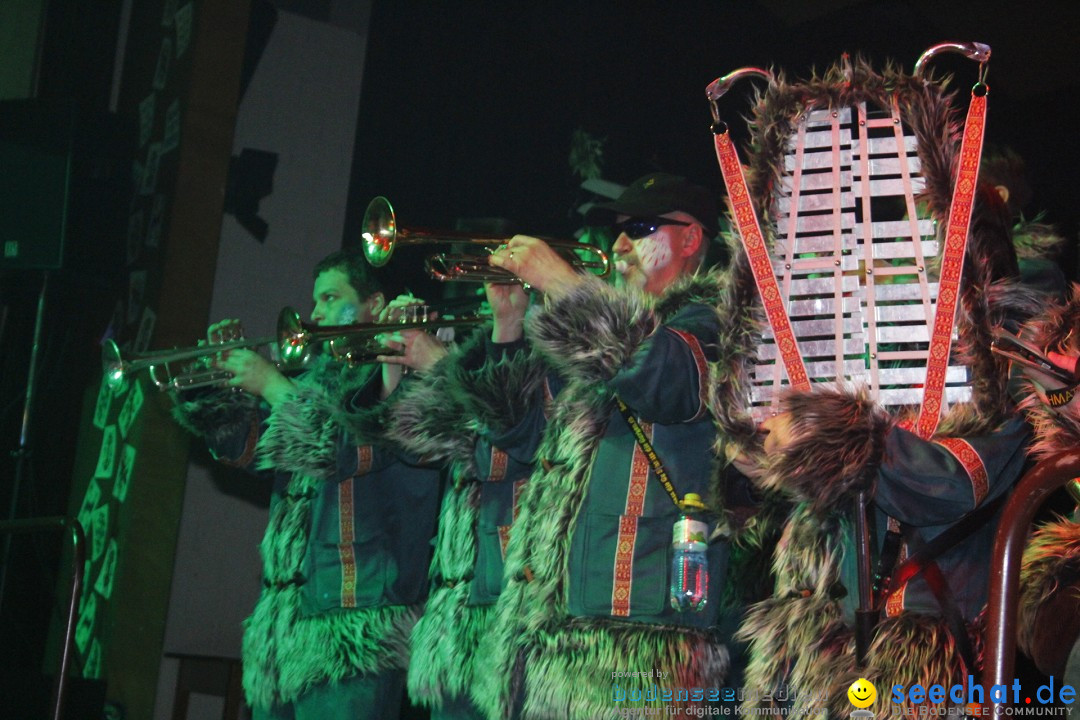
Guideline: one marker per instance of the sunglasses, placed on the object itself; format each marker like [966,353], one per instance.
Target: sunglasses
[637,228]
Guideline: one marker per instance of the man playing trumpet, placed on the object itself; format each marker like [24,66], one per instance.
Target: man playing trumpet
[587,563]
[345,551]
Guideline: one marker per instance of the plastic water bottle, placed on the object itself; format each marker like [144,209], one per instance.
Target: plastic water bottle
[689,566]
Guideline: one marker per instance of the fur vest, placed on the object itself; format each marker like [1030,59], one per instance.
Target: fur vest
[439,417]
[566,661]
[287,650]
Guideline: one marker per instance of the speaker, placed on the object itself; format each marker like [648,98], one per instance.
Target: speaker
[65,183]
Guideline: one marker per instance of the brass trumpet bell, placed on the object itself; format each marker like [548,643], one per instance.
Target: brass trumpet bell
[381,235]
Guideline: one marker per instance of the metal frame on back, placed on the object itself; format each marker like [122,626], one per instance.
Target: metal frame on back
[854,253]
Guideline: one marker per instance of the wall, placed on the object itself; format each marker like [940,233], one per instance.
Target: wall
[301,105]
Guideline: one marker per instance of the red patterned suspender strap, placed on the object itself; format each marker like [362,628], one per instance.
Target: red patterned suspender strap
[499,461]
[346,551]
[364,459]
[702,370]
[973,465]
[753,243]
[969,460]
[623,571]
[952,264]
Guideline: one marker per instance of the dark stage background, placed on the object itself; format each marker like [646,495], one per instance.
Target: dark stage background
[468,112]
[468,109]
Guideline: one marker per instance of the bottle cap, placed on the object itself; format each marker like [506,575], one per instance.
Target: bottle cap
[692,500]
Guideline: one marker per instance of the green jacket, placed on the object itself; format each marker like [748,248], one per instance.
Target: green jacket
[587,572]
[435,418]
[348,539]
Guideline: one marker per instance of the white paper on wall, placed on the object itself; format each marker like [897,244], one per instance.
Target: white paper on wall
[98,531]
[103,405]
[123,472]
[106,464]
[104,584]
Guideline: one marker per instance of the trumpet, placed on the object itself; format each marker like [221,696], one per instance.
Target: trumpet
[356,342]
[295,341]
[381,235]
[118,368]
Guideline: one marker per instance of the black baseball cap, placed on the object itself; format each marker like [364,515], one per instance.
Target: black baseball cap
[657,194]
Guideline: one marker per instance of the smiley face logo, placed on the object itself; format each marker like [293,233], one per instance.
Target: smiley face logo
[862,693]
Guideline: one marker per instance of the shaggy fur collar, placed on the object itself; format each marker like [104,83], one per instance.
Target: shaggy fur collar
[837,441]
[303,431]
[596,328]
[427,416]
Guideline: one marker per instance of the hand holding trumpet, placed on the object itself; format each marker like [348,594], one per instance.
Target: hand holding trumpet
[537,265]
[415,349]
[249,370]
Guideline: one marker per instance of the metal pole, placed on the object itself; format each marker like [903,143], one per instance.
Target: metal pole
[865,616]
[1012,533]
[22,453]
[78,561]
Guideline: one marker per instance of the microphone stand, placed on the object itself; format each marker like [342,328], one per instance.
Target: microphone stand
[22,453]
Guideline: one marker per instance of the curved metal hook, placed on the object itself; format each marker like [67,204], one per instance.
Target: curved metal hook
[979,52]
[719,86]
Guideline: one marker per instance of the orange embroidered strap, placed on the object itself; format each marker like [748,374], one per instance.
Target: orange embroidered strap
[968,458]
[894,602]
[952,264]
[364,459]
[504,530]
[499,460]
[623,581]
[346,510]
[972,463]
[504,539]
[702,370]
[346,552]
[753,243]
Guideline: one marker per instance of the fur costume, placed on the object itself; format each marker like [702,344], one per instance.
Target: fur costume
[290,646]
[1057,329]
[565,659]
[800,640]
[1051,563]
[440,417]
[1038,251]
[1047,619]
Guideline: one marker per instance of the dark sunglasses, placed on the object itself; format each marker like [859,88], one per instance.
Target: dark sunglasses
[637,228]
